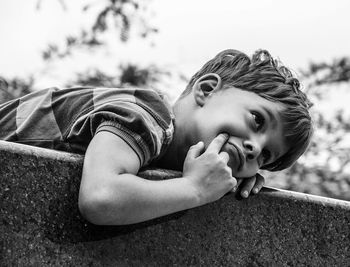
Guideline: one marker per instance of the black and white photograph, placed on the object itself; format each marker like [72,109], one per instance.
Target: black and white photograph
[174,133]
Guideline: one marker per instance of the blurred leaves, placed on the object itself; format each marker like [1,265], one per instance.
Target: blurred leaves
[15,87]
[328,73]
[113,16]
[316,180]
[84,40]
[126,75]
[133,75]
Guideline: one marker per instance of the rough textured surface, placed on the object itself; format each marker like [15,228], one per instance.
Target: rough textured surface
[40,224]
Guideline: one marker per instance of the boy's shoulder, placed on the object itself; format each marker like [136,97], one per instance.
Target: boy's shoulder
[142,96]
[152,100]
[144,115]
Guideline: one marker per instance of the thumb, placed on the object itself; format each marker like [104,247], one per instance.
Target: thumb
[195,150]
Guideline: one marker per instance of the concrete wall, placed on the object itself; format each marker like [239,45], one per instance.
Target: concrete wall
[40,224]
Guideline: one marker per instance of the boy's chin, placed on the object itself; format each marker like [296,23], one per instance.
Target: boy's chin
[243,175]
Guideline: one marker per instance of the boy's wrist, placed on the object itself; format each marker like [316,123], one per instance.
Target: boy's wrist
[192,192]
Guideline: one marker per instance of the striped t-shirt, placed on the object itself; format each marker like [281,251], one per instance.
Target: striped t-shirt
[67,119]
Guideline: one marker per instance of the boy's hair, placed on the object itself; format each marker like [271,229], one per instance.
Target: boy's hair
[268,78]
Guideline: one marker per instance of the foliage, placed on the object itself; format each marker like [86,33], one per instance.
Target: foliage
[15,87]
[133,75]
[113,16]
[130,75]
[335,72]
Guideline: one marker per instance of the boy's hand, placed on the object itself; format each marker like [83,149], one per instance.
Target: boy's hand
[208,172]
[248,185]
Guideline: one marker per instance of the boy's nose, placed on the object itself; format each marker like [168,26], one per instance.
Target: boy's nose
[252,149]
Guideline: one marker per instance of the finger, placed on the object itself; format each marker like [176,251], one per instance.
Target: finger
[217,143]
[195,150]
[234,182]
[248,186]
[239,181]
[224,156]
[259,183]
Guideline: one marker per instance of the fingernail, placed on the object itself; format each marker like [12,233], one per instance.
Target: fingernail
[234,189]
[245,194]
[255,190]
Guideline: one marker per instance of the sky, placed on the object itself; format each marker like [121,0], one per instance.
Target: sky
[190,33]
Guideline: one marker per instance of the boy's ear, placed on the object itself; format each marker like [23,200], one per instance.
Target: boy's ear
[205,86]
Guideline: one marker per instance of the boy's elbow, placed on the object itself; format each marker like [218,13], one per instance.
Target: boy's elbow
[91,208]
[98,208]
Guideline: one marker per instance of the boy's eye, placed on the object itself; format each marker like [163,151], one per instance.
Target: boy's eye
[259,120]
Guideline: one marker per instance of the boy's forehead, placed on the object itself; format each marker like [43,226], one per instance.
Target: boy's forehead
[232,96]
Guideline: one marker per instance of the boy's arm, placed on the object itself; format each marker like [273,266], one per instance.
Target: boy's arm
[112,193]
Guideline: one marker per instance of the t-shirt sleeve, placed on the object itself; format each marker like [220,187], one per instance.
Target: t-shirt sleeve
[138,127]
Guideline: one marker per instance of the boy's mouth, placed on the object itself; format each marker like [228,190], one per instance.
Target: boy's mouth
[238,154]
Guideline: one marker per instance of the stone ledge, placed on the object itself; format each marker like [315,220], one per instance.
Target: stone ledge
[40,223]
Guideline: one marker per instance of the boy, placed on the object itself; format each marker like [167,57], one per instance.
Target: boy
[236,116]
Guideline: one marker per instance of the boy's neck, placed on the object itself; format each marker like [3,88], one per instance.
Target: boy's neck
[175,155]
[171,160]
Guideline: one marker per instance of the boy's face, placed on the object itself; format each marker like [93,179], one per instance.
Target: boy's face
[252,122]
